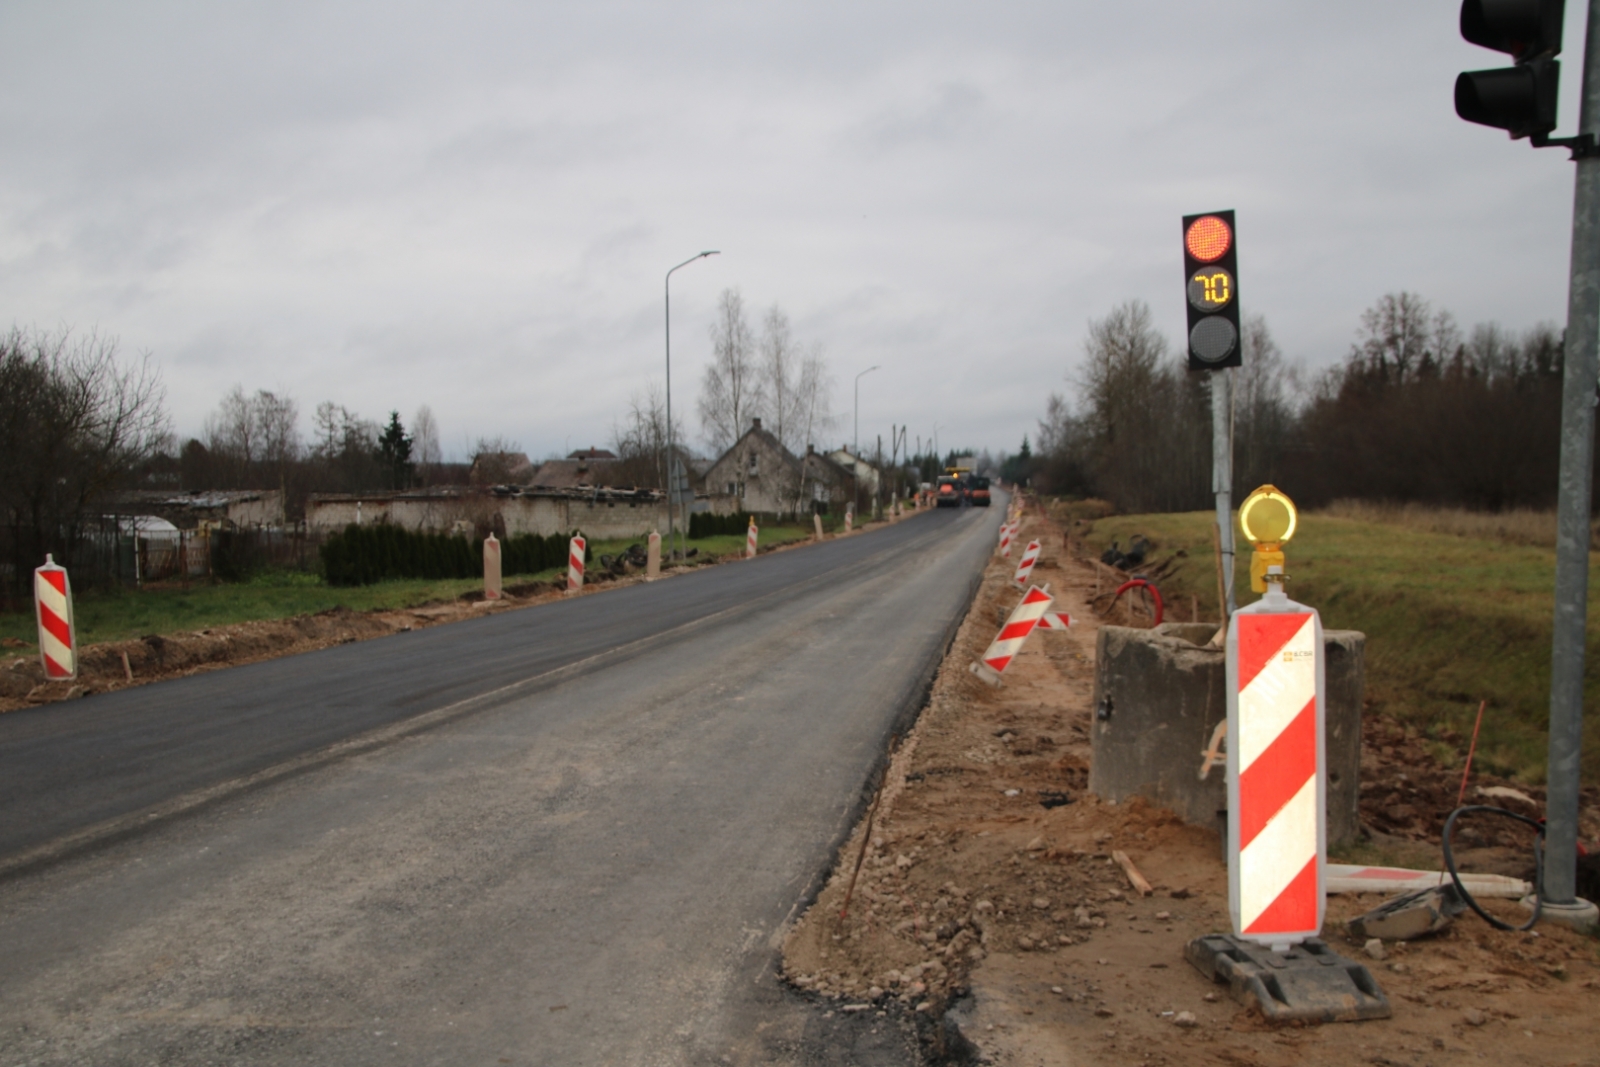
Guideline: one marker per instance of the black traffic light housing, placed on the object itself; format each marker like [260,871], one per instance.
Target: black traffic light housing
[1520,99]
[1211,290]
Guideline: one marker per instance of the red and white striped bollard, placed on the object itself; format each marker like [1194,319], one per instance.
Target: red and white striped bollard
[750,540]
[1030,556]
[575,550]
[58,636]
[1004,648]
[1277,814]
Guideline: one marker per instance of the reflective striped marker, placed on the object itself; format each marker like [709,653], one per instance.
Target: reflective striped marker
[1055,620]
[1030,556]
[849,519]
[750,540]
[1277,822]
[575,551]
[1007,533]
[58,637]
[1004,648]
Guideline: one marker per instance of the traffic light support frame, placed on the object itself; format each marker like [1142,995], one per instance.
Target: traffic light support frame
[1583,146]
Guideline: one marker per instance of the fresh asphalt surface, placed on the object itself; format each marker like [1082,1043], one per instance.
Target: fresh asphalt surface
[570,834]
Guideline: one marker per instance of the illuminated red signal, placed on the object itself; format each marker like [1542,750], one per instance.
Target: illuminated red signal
[1208,238]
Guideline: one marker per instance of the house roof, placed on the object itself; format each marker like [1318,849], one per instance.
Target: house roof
[766,437]
[567,473]
[592,453]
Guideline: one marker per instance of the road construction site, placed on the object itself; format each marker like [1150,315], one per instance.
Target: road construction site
[758,813]
[985,887]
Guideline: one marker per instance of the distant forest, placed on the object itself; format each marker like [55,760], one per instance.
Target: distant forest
[1417,412]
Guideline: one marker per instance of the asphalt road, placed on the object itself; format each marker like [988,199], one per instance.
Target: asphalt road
[571,834]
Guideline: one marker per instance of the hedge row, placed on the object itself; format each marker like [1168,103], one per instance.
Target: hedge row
[361,555]
[705,524]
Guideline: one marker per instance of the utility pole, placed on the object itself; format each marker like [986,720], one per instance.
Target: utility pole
[1581,372]
[1222,468]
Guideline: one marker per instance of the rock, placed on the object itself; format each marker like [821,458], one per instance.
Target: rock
[1104,1012]
[1163,915]
[875,993]
[1180,893]
[1473,1017]
[1374,948]
[983,907]
[1042,903]
[1035,845]
[1210,998]
[1025,944]
[1186,1020]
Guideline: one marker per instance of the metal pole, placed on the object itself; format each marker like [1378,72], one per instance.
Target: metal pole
[672,487]
[855,434]
[1222,467]
[1572,506]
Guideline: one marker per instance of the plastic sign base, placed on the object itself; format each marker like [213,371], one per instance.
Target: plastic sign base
[1310,983]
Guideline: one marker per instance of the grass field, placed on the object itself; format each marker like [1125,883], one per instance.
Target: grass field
[117,615]
[1451,618]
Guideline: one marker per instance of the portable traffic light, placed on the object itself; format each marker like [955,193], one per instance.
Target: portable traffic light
[1268,519]
[1211,278]
[1519,99]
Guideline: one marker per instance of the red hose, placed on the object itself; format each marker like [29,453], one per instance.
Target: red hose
[1130,583]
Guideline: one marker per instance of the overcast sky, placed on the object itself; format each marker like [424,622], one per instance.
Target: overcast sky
[472,205]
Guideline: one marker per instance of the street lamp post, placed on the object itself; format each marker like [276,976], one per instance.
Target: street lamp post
[672,487]
[856,413]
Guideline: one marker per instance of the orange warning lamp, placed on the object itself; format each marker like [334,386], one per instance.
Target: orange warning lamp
[1268,518]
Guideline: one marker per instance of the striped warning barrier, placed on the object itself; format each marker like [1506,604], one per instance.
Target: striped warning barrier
[1276,803]
[1353,878]
[1004,648]
[58,637]
[1007,533]
[849,519]
[491,568]
[575,551]
[750,540]
[1030,556]
[1054,620]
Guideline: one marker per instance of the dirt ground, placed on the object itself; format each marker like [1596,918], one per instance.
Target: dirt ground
[112,665]
[987,895]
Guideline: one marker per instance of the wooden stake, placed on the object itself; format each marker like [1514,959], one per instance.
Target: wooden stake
[1222,588]
[1135,879]
[127,668]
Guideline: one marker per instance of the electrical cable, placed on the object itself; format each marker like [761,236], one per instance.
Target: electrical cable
[1538,863]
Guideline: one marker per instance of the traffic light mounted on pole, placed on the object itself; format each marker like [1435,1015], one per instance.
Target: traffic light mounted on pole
[1211,280]
[1519,99]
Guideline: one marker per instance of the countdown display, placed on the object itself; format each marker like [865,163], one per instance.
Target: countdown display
[1211,280]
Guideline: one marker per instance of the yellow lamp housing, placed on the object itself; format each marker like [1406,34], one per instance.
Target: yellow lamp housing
[1268,518]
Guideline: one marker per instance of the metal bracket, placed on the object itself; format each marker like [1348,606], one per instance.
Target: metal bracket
[1583,146]
[1309,983]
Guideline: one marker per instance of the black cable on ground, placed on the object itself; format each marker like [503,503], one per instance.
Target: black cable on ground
[1538,863]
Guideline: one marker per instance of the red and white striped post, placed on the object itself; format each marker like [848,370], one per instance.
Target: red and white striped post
[575,551]
[58,636]
[1057,621]
[750,540]
[1004,648]
[1277,805]
[652,559]
[1030,556]
[849,518]
[1008,533]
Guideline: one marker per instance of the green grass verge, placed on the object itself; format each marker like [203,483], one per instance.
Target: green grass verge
[1450,621]
[121,614]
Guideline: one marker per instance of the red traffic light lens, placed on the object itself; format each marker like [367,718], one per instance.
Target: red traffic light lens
[1208,238]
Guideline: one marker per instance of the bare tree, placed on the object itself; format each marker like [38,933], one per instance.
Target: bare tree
[75,420]
[425,444]
[640,441]
[493,460]
[1401,336]
[796,390]
[1263,413]
[730,392]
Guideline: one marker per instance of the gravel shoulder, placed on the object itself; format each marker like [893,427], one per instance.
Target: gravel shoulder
[988,905]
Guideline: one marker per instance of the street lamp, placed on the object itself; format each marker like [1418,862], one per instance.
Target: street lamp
[671,445]
[856,433]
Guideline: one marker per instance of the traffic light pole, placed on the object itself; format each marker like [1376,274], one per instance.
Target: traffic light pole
[1222,469]
[1578,393]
